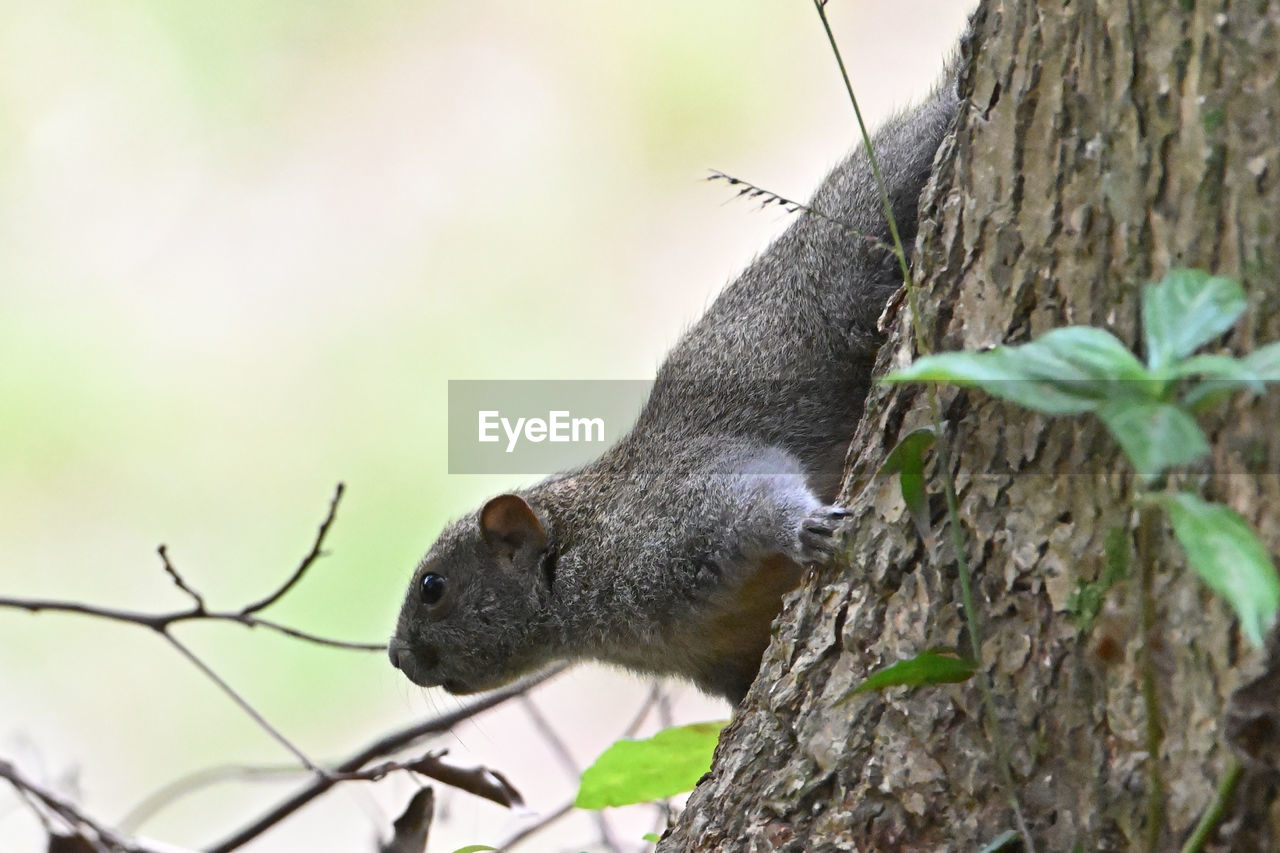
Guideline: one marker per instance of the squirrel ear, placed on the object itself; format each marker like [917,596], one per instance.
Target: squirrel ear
[509,523]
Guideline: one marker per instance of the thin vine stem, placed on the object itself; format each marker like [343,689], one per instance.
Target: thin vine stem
[1148,533]
[1217,810]
[924,346]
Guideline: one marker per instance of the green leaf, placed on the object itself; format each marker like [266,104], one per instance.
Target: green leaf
[474,848]
[1222,373]
[651,837]
[1215,367]
[1084,354]
[1154,435]
[1265,362]
[1226,374]
[1066,371]
[907,461]
[1184,311]
[1222,548]
[641,771]
[992,372]
[932,666]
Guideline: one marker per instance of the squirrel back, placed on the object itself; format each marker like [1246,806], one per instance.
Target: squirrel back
[670,553]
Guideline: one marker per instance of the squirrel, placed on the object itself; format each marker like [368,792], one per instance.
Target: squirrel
[671,553]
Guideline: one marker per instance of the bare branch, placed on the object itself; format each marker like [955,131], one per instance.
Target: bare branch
[529,831]
[561,750]
[558,747]
[258,622]
[77,821]
[161,621]
[655,696]
[384,746]
[314,554]
[243,703]
[191,782]
[156,622]
[479,781]
[177,578]
[244,616]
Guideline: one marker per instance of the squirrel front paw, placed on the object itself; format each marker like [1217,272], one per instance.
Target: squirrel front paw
[818,540]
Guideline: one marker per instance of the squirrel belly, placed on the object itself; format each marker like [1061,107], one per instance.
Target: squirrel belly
[672,552]
[719,649]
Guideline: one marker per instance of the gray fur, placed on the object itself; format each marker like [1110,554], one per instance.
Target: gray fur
[730,466]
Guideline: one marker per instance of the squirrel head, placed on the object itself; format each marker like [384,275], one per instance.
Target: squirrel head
[474,617]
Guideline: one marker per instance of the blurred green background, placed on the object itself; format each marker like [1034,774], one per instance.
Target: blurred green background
[243,246]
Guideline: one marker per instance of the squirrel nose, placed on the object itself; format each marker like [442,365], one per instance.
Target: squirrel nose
[403,658]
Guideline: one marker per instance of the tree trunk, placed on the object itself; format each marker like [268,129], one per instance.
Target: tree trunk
[1101,144]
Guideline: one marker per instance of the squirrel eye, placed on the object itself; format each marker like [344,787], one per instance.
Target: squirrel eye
[432,588]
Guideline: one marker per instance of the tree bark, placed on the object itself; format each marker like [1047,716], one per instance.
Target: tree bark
[1101,143]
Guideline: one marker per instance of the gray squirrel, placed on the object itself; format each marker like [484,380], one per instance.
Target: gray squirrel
[670,553]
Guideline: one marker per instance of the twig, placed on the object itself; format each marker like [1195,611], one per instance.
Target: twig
[23,798]
[161,621]
[314,554]
[533,829]
[662,699]
[243,703]
[386,745]
[199,611]
[177,578]
[76,820]
[558,747]
[992,728]
[257,622]
[481,781]
[654,697]
[191,782]
[561,751]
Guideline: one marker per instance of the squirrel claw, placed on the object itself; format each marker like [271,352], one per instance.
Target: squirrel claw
[818,540]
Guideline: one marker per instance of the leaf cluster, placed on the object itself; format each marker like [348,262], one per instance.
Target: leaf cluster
[1149,407]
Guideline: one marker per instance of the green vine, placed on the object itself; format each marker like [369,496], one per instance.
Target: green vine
[1150,410]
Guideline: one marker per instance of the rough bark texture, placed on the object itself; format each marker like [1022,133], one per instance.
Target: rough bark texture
[1102,143]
